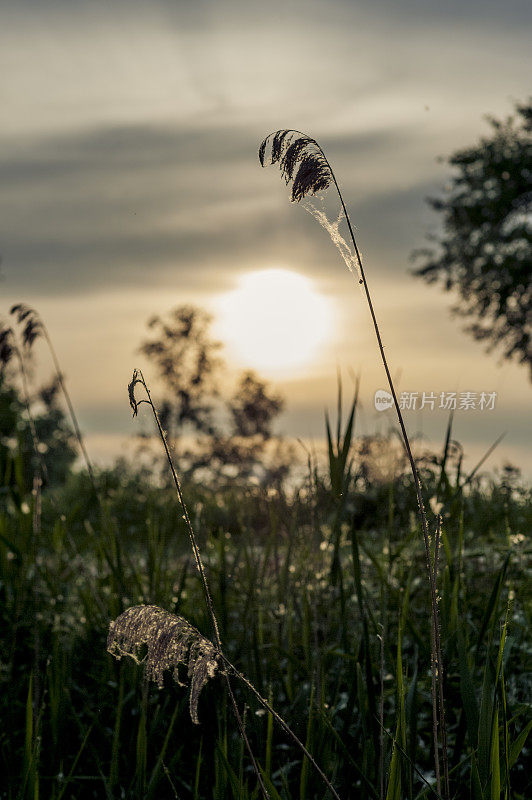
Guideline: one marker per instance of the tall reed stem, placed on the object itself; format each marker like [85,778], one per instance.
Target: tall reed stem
[304,164]
[437,665]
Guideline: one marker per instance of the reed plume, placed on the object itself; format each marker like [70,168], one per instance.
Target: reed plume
[170,641]
[301,160]
[304,165]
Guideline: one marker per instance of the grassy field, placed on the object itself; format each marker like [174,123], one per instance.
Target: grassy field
[322,603]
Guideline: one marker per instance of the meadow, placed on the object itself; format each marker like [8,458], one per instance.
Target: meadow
[321,603]
[356,633]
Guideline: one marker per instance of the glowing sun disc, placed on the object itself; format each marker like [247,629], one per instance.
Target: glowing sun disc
[274,320]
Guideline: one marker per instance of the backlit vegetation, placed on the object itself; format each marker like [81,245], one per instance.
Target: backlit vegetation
[335,640]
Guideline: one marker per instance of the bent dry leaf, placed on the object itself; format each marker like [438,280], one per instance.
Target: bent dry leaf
[170,641]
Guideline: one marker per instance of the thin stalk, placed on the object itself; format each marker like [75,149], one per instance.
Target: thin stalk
[139,378]
[280,721]
[437,665]
[31,421]
[71,411]
[418,772]
[486,455]
[434,697]
[44,479]
[36,531]
[443,726]
[314,175]
[33,328]
[380,637]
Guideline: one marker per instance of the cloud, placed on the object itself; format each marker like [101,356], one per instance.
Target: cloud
[73,65]
[146,204]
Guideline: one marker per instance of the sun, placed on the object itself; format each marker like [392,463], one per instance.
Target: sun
[274,321]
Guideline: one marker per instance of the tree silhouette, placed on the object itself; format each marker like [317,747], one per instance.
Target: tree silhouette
[187,360]
[253,407]
[484,253]
[190,367]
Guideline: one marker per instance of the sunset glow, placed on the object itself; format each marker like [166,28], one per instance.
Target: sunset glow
[275,320]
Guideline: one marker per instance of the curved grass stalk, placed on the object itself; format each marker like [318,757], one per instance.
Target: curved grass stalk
[33,328]
[9,348]
[305,166]
[280,721]
[171,640]
[138,378]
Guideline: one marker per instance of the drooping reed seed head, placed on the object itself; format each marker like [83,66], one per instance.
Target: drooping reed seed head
[301,161]
[169,641]
[33,327]
[6,348]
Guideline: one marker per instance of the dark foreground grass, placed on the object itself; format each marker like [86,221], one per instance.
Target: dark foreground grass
[321,604]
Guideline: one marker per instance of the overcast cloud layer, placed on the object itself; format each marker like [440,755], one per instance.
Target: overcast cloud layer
[129,176]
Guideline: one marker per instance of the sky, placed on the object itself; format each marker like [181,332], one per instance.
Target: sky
[129,184]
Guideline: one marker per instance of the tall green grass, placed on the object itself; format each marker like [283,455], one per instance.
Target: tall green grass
[101,732]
